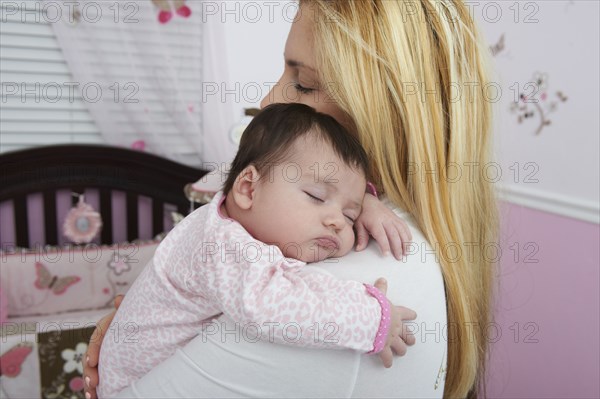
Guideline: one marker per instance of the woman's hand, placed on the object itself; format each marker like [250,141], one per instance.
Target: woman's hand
[398,337]
[90,365]
[390,232]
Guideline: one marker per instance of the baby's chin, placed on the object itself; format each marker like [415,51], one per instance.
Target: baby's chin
[317,254]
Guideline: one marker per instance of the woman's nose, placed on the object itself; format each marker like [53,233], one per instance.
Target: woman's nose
[275,95]
[267,99]
[272,96]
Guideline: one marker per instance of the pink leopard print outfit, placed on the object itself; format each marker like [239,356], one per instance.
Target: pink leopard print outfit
[208,265]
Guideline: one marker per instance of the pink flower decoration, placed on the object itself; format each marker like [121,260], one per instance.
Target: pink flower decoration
[184,11]
[164,16]
[119,265]
[82,223]
[76,384]
[139,145]
[105,291]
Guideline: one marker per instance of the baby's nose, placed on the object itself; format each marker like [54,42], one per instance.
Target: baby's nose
[335,220]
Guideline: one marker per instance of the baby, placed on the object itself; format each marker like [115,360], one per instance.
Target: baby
[293,193]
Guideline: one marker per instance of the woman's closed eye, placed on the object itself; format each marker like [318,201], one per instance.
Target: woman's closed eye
[302,89]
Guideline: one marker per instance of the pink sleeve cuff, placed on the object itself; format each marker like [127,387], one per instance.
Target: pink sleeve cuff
[371,189]
[384,324]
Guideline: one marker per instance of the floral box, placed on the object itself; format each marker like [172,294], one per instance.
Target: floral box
[42,357]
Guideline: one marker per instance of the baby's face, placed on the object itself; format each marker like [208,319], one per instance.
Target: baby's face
[307,204]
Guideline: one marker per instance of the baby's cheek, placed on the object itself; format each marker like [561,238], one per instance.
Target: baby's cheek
[349,238]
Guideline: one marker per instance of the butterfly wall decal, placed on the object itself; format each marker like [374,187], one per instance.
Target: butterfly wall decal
[57,285]
[498,47]
[12,360]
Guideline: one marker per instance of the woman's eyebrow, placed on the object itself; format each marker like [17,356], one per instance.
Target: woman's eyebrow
[297,64]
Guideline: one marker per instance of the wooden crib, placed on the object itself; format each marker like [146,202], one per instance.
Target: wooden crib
[56,290]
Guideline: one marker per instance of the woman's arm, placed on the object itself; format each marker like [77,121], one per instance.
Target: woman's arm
[90,364]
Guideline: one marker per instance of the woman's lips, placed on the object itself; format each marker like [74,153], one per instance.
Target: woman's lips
[328,242]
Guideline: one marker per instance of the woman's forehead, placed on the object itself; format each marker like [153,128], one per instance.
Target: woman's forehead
[299,44]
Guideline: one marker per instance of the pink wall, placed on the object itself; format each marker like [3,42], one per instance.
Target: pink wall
[546,343]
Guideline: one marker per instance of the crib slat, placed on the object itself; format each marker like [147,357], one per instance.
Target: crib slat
[183,209]
[132,217]
[93,167]
[76,192]
[21,221]
[50,223]
[157,217]
[106,212]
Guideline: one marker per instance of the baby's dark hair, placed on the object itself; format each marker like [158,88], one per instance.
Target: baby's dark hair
[270,135]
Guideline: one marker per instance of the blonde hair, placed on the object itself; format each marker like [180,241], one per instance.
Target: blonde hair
[385,59]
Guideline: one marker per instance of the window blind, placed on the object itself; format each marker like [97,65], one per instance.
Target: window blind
[41,102]
[37,106]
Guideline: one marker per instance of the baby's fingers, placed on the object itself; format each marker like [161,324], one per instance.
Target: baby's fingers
[407,333]
[407,336]
[395,239]
[406,313]
[399,346]
[380,235]
[406,236]
[386,357]
[362,236]
[381,285]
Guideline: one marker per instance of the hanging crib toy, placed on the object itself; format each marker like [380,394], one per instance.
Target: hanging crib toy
[167,7]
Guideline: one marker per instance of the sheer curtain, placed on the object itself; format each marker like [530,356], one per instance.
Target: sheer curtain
[142,79]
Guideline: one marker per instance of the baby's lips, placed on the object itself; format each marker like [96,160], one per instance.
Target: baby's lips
[328,242]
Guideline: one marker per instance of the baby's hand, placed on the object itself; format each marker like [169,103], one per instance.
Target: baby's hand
[390,232]
[398,336]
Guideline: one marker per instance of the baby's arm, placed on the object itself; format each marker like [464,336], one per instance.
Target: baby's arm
[277,297]
[389,230]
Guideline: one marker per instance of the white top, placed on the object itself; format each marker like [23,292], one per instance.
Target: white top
[215,365]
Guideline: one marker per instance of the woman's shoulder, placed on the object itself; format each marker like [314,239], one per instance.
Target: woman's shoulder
[247,366]
[418,271]
[415,282]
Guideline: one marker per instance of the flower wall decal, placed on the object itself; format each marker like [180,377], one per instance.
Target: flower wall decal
[535,102]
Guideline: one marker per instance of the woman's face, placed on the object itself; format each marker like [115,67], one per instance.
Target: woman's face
[299,82]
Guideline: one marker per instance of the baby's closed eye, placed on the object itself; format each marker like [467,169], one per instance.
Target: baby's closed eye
[314,197]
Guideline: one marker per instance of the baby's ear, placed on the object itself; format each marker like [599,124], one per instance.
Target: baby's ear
[244,187]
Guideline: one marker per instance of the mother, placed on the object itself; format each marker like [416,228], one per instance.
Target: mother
[407,78]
